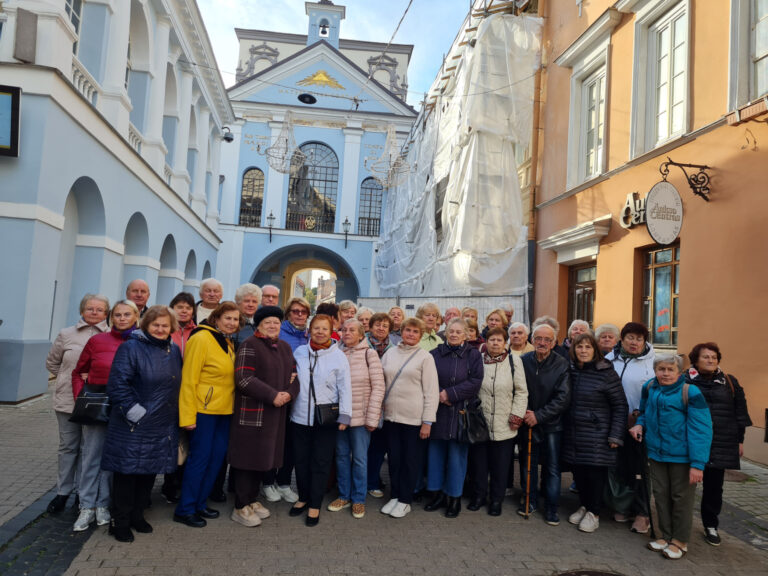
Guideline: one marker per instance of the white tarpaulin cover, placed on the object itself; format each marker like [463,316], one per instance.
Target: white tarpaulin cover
[463,164]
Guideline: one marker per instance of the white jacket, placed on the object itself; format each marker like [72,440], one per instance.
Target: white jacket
[501,395]
[332,383]
[634,372]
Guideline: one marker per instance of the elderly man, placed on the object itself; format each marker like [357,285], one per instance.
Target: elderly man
[518,339]
[449,315]
[270,295]
[138,293]
[549,394]
[247,298]
[211,292]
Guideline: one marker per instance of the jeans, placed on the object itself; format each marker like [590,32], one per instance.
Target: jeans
[313,457]
[405,459]
[376,452]
[207,450]
[70,435]
[352,463]
[549,447]
[447,466]
[712,496]
[93,485]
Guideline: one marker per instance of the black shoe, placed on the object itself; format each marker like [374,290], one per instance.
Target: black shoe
[310,521]
[494,508]
[121,533]
[192,520]
[475,504]
[439,500]
[712,536]
[296,511]
[218,496]
[208,513]
[170,496]
[57,504]
[141,526]
[417,496]
[454,507]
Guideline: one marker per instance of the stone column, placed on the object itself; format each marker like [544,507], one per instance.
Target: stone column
[154,149]
[199,201]
[115,104]
[346,207]
[180,179]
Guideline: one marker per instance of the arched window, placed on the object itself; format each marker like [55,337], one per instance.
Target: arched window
[369,221]
[312,190]
[252,197]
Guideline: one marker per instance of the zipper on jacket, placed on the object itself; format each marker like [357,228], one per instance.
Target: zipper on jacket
[208,397]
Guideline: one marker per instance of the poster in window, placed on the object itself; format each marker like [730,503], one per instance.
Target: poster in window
[10,106]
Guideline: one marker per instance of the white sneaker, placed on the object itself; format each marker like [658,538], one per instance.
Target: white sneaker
[102,516]
[87,515]
[589,523]
[245,516]
[387,508]
[271,493]
[260,510]
[400,510]
[287,494]
[577,516]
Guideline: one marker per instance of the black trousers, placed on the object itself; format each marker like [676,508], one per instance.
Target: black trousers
[406,455]
[130,496]
[494,458]
[246,484]
[282,476]
[712,496]
[313,448]
[590,482]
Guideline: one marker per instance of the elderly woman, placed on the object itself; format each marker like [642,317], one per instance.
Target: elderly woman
[504,397]
[364,316]
[607,336]
[378,333]
[518,339]
[468,313]
[495,319]
[347,310]
[677,426]
[247,298]
[632,359]
[460,375]
[730,418]
[332,311]
[264,385]
[183,306]
[473,335]
[397,316]
[577,327]
[429,313]
[61,360]
[380,339]
[142,434]
[410,406]
[92,373]
[293,330]
[211,292]
[352,443]
[595,424]
[205,409]
[324,378]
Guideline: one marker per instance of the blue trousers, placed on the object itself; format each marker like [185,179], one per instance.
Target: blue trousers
[352,463]
[207,450]
[447,466]
[549,450]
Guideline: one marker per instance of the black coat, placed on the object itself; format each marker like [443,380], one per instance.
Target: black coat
[729,416]
[460,374]
[549,390]
[596,417]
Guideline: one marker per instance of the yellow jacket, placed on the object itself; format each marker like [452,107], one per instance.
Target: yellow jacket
[207,377]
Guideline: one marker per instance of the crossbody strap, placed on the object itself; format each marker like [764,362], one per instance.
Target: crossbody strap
[386,394]
[311,385]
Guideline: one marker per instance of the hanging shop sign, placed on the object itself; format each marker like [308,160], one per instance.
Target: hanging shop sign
[661,211]
[10,108]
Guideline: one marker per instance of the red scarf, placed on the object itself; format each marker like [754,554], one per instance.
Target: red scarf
[317,347]
[271,341]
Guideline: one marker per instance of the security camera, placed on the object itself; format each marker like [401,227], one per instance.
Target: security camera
[228,136]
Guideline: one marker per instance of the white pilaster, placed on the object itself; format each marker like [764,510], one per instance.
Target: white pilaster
[230,160]
[199,201]
[180,179]
[274,198]
[212,216]
[347,203]
[115,104]
[154,149]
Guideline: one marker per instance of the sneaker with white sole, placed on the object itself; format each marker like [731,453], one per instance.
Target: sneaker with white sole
[271,493]
[103,516]
[259,509]
[589,523]
[358,510]
[339,504]
[577,516]
[245,516]
[287,494]
[87,515]
[389,506]
[376,493]
[712,536]
[400,510]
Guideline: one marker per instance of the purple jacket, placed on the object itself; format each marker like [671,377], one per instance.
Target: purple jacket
[460,374]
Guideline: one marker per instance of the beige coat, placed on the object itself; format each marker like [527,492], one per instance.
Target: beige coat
[62,359]
[414,397]
[528,348]
[501,395]
[367,385]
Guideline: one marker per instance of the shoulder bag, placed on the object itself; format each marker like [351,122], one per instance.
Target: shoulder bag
[91,406]
[326,415]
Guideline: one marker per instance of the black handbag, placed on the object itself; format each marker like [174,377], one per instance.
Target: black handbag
[91,406]
[326,415]
[473,427]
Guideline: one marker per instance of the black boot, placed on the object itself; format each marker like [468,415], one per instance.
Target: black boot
[438,501]
[454,507]
[476,503]
[494,508]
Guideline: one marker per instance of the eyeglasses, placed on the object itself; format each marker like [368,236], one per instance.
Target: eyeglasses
[298,311]
[543,339]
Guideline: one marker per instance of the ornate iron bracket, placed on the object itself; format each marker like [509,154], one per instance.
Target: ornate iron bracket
[699,182]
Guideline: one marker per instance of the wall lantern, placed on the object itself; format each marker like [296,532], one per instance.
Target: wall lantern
[699,182]
[270,221]
[346,224]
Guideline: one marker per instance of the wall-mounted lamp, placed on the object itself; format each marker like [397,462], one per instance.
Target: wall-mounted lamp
[270,221]
[228,136]
[345,225]
[698,182]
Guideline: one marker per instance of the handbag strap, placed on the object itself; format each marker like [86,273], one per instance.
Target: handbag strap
[311,384]
[386,393]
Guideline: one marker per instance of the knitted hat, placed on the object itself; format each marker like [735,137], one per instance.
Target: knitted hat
[267,312]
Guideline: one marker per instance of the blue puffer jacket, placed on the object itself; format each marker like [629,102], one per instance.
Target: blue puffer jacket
[292,335]
[675,432]
[145,372]
[460,374]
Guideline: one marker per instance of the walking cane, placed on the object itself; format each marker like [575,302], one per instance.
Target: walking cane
[528,475]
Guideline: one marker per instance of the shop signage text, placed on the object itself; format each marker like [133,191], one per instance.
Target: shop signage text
[661,211]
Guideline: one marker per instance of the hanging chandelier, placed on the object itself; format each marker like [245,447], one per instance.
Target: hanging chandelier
[392,167]
[283,155]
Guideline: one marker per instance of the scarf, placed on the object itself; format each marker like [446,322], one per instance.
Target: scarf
[488,359]
[124,334]
[314,346]
[379,346]
[718,376]
[624,354]
[270,341]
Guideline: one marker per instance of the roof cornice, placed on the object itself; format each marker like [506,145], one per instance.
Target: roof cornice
[301,39]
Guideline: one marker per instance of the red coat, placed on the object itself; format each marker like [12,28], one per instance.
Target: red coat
[96,359]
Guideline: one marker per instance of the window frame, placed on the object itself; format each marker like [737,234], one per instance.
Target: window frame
[255,220]
[648,299]
[368,218]
[322,179]
[599,78]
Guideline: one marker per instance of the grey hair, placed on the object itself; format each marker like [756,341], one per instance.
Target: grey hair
[355,322]
[346,305]
[578,322]
[603,328]
[538,325]
[675,359]
[549,321]
[457,320]
[364,309]
[247,290]
[99,297]
[269,286]
[208,281]
[516,325]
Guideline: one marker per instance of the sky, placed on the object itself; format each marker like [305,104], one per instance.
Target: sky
[430,25]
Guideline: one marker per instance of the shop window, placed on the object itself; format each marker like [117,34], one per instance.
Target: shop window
[252,197]
[369,221]
[581,293]
[661,285]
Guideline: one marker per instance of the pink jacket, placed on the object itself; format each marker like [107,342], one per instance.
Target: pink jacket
[367,385]
[181,335]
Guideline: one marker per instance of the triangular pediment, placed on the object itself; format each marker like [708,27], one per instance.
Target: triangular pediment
[325,73]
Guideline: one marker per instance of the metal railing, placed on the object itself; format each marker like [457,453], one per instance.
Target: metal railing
[368,226]
[84,82]
[310,222]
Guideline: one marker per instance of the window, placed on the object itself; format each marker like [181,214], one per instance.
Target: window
[593,102]
[74,9]
[252,197]
[369,221]
[581,293]
[312,190]
[760,48]
[660,294]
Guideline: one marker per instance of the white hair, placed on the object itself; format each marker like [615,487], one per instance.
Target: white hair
[269,286]
[540,325]
[247,290]
[364,309]
[516,325]
[612,328]
[99,297]
[346,304]
[675,359]
[578,322]
[546,321]
[208,282]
